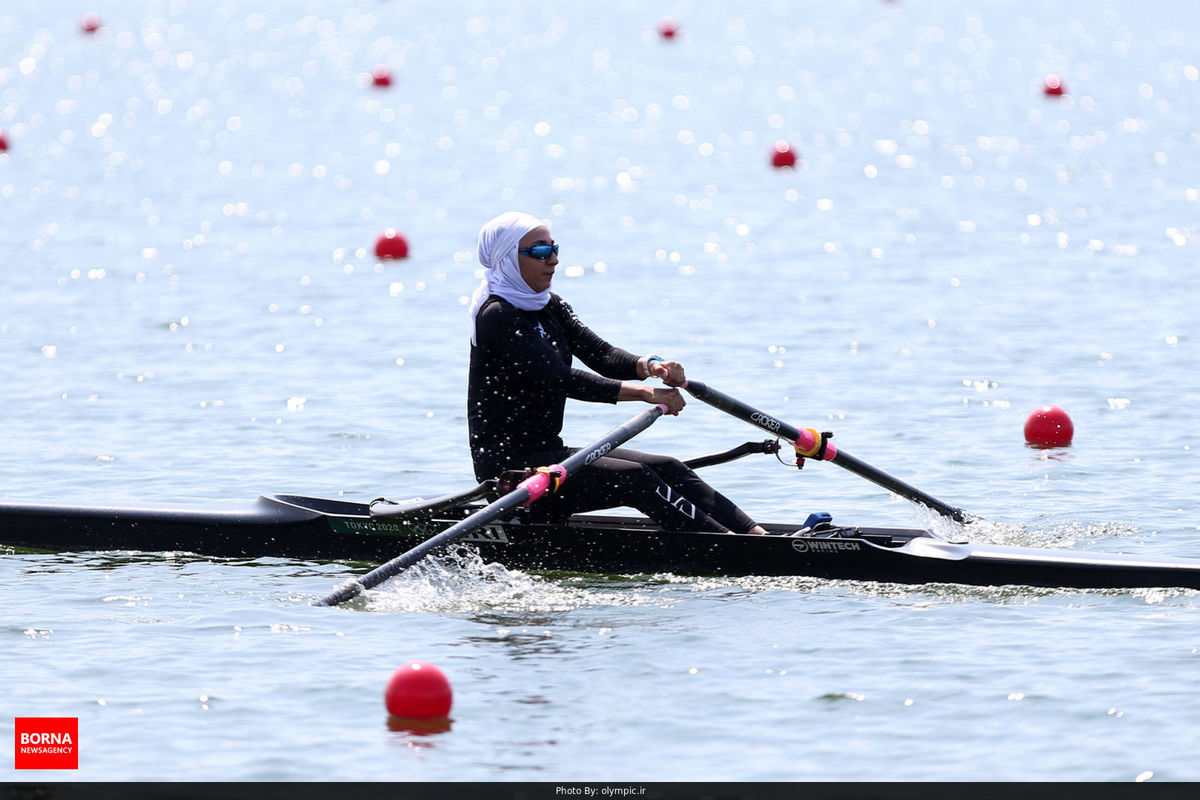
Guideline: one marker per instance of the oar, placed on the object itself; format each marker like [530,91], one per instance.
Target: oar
[528,491]
[809,441]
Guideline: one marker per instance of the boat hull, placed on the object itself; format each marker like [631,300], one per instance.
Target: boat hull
[286,526]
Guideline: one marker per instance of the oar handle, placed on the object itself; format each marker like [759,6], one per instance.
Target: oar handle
[528,491]
[805,440]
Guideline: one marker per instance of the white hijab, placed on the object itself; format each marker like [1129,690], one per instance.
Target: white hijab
[498,242]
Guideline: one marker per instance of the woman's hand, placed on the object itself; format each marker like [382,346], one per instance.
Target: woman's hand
[636,390]
[671,398]
[670,372]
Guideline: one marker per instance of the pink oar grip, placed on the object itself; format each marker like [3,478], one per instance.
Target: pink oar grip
[807,442]
[538,484]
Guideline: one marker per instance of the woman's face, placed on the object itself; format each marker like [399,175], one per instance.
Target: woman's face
[536,273]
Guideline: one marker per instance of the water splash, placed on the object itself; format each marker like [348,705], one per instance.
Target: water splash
[459,580]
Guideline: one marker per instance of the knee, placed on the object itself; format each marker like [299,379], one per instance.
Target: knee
[672,469]
[644,483]
[645,476]
[631,474]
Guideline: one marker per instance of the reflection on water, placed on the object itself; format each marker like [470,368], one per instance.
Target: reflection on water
[419,728]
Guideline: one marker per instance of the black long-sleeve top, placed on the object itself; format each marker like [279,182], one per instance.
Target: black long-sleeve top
[521,376]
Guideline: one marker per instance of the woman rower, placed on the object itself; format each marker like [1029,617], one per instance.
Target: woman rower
[523,339]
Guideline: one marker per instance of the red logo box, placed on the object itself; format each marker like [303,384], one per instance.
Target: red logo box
[47,742]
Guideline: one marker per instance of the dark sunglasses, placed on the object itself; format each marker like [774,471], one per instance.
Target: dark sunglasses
[541,252]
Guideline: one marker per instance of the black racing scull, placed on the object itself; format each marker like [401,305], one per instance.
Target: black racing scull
[305,528]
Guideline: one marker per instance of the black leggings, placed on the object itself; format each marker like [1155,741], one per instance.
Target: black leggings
[663,488]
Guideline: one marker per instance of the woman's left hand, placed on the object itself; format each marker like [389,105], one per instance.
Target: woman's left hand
[671,398]
[671,372]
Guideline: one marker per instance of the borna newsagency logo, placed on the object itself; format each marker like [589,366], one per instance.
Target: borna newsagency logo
[47,743]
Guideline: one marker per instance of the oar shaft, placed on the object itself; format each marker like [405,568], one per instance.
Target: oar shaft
[618,435]
[892,484]
[529,491]
[748,413]
[744,411]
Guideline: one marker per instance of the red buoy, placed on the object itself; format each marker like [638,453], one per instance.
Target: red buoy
[418,690]
[1049,426]
[668,28]
[783,156]
[3,143]
[91,22]
[391,244]
[381,75]
[1053,85]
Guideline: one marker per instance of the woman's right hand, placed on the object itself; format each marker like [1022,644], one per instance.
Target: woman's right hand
[671,373]
[671,398]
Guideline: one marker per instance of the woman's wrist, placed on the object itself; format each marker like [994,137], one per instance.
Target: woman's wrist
[643,365]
